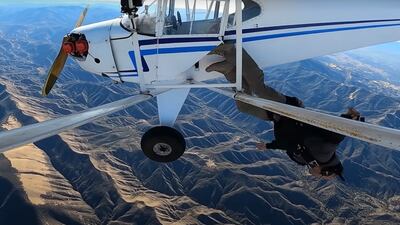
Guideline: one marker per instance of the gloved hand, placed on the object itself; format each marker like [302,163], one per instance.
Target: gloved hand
[261,146]
[228,51]
[225,68]
[353,114]
[294,101]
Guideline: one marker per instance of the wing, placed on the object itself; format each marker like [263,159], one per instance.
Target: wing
[374,134]
[294,30]
[35,132]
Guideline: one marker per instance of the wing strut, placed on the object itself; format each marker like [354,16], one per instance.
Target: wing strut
[383,136]
[35,132]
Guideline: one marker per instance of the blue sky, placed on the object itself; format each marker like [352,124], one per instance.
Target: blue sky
[200,3]
[80,2]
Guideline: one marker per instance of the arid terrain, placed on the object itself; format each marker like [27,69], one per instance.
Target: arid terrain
[97,174]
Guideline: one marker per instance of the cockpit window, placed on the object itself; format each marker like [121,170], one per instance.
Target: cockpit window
[187,16]
[250,10]
[193,17]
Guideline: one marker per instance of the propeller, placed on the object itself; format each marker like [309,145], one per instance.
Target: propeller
[59,62]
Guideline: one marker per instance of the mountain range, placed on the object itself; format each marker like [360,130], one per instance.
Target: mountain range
[97,174]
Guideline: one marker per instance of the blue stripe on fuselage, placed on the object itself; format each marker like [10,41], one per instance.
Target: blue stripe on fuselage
[274,28]
[177,40]
[294,26]
[177,50]
[300,33]
[251,39]
[166,51]
[127,75]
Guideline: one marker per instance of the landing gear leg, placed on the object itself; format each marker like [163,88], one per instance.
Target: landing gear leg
[164,143]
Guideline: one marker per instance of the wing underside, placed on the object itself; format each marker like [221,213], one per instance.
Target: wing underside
[35,132]
[383,136]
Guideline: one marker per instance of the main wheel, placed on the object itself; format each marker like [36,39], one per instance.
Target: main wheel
[163,144]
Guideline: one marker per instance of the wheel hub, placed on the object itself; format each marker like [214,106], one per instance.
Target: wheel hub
[162,149]
[163,144]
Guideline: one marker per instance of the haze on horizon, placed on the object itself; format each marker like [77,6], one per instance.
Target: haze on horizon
[80,2]
[180,3]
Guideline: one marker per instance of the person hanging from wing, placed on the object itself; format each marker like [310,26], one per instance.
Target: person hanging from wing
[305,144]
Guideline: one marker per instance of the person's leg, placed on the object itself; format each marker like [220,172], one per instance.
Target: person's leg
[229,70]
[253,76]
[253,110]
[226,68]
[255,79]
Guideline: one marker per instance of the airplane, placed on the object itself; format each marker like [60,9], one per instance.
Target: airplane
[164,45]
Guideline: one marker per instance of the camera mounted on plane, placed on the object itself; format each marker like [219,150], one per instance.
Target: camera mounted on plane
[130,7]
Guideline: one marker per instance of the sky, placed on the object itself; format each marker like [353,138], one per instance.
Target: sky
[69,1]
[179,3]
[81,2]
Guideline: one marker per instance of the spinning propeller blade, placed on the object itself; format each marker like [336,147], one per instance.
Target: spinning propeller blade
[82,17]
[59,62]
[55,70]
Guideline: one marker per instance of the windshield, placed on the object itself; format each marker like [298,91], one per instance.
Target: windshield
[193,17]
[187,16]
[250,9]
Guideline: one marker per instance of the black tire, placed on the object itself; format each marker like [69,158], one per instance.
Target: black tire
[163,144]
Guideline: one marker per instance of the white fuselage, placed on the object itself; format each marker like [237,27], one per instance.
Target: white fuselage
[281,32]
